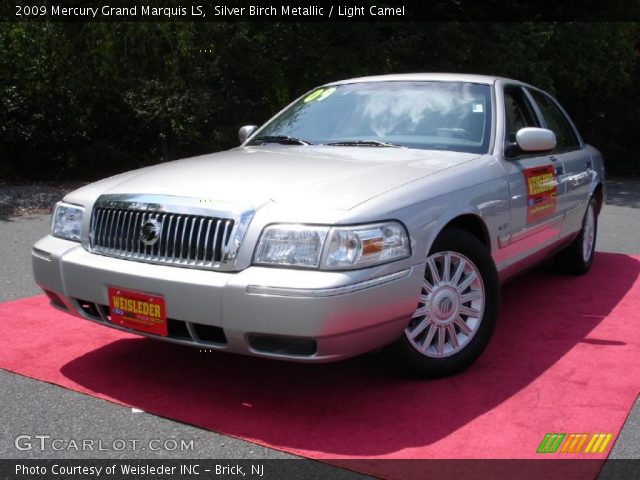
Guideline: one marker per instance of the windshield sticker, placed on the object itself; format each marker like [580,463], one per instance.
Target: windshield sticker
[326,93]
[477,108]
[319,95]
[541,192]
[313,95]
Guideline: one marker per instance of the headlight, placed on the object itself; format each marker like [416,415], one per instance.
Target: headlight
[344,247]
[67,221]
[363,246]
[292,245]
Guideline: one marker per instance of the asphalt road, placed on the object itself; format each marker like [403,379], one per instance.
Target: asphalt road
[33,408]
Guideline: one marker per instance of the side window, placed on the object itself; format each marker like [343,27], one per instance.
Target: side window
[518,113]
[556,121]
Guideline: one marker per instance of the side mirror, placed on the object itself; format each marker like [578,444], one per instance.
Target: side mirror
[245,132]
[530,140]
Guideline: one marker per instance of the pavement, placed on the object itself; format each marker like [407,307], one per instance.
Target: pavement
[30,407]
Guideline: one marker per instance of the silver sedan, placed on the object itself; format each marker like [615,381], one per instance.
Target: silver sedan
[373,212]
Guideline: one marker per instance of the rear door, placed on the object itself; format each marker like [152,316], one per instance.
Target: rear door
[576,178]
[536,220]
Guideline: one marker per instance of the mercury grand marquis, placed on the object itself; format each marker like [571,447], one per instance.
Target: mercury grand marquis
[373,212]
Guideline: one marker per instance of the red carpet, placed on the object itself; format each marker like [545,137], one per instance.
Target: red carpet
[565,358]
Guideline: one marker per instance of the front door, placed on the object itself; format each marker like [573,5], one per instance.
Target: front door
[578,170]
[535,191]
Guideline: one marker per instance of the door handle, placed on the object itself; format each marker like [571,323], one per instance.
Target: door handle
[553,158]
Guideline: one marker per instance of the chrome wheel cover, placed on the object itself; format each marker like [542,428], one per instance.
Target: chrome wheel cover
[588,233]
[450,307]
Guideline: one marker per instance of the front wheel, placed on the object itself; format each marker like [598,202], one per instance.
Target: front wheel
[456,310]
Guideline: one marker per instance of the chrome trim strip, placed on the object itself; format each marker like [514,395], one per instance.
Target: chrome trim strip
[193,225]
[206,241]
[215,238]
[198,238]
[184,230]
[174,243]
[126,236]
[326,292]
[118,241]
[167,240]
[510,238]
[224,236]
[170,204]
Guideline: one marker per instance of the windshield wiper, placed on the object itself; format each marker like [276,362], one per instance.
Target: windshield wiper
[283,139]
[363,143]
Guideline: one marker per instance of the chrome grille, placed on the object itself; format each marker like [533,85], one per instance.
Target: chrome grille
[180,238]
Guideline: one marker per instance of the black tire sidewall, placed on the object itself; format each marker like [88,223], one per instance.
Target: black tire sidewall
[587,264]
[570,260]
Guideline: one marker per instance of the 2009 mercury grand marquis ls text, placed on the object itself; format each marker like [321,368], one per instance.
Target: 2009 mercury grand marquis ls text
[378,211]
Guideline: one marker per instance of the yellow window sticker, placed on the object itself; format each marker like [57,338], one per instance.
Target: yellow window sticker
[326,93]
[313,95]
[319,94]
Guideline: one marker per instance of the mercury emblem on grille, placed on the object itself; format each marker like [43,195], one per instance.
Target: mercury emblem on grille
[150,232]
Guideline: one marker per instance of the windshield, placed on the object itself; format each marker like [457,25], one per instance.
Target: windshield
[452,116]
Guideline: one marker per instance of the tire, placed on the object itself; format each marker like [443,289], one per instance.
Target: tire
[578,256]
[454,318]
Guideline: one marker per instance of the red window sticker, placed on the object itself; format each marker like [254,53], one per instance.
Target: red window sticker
[541,192]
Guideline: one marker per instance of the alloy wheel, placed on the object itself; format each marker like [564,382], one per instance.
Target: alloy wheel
[450,307]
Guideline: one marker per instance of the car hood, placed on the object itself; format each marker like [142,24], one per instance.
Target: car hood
[333,177]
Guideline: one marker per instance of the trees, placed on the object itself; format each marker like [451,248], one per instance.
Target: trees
[84,100]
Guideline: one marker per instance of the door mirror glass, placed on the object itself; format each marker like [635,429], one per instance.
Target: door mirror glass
[245,132]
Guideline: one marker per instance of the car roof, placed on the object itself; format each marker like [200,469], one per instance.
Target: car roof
[437,77]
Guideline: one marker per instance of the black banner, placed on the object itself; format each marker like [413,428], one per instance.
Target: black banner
[310,10]
[271,469]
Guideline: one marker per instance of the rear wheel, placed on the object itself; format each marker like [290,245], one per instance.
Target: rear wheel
[456,309]
[578,256]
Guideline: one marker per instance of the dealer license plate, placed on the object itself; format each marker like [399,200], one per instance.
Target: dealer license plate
[138,311]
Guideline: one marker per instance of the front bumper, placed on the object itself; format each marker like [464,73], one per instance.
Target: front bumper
[271,312]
